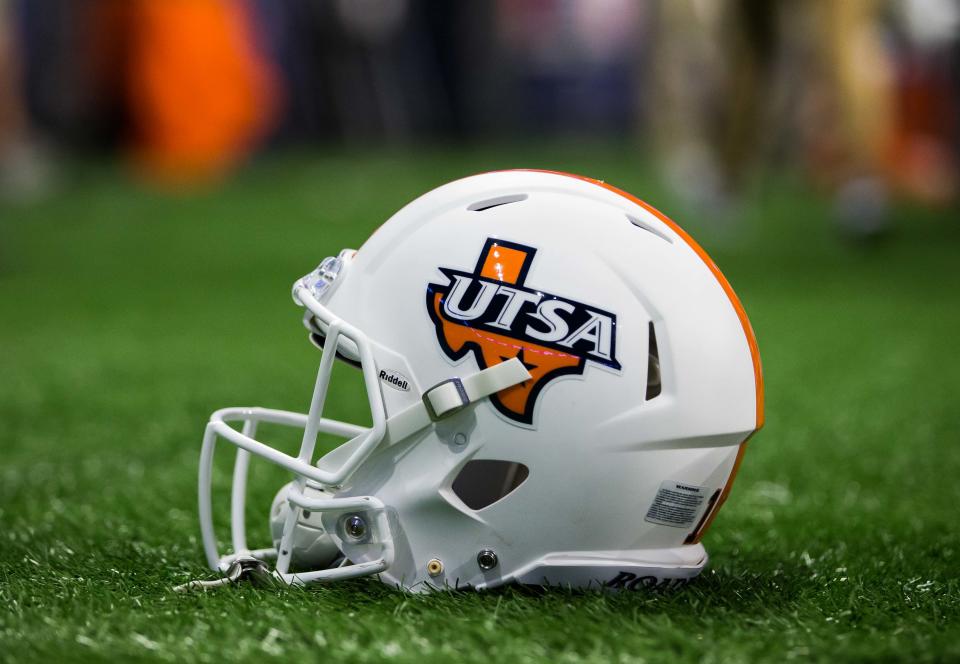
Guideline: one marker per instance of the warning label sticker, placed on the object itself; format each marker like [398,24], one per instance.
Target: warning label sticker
[677,504]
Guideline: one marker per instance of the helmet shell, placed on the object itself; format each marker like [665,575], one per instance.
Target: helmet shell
[598,451]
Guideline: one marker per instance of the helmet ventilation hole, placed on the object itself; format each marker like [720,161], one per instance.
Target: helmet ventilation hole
[482,482]
[650,229]
[653,365]
[483,205]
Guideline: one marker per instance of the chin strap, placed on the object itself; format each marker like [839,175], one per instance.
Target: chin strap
[453,395]
[242,569]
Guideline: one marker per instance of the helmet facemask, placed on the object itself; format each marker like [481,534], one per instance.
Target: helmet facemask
[359,526]
[373,548]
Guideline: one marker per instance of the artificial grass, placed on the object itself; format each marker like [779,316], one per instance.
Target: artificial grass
[126,316]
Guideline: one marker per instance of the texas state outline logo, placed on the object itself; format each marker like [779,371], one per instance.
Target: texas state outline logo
[492,313]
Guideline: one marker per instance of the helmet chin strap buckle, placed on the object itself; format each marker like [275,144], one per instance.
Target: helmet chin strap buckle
[446,398]
[243,569]
[451,396]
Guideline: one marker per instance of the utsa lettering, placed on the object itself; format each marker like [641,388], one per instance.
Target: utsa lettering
[546,323]
[493,314]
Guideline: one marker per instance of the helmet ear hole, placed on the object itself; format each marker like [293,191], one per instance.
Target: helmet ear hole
[482,482]
[654,385]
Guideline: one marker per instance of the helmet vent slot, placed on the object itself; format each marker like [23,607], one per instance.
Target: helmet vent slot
[653,365]
[639,223]
[489,203]
[482,482]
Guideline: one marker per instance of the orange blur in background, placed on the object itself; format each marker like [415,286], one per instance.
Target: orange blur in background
[861,97]
[200,94]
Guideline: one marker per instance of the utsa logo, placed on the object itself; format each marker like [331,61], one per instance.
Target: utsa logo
[492,313]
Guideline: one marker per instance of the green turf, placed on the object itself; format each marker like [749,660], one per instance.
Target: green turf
[126,316]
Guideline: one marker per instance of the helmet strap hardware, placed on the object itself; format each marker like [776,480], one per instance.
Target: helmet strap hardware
[461,395]
[240,570]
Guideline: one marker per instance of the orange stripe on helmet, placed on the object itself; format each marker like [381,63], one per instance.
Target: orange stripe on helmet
[697,535]
[727,288]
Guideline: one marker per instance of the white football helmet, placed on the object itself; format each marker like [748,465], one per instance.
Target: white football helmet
[561,384]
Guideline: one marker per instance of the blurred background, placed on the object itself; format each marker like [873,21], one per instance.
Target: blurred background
[857,98]
[169,167]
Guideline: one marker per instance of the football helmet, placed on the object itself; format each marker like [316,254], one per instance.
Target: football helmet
[561,384]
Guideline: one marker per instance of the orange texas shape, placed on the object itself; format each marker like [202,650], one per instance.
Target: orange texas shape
[541,362]
[504,264]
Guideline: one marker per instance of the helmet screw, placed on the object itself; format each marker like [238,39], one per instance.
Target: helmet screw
[355,527]
[435,567]
[487,560]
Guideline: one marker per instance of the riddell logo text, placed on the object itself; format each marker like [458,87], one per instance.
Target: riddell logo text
[492,313]
[395,379]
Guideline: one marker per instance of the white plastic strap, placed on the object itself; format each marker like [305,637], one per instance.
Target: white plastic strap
[453,395]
